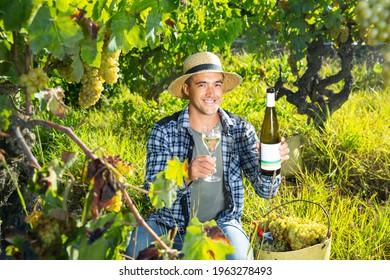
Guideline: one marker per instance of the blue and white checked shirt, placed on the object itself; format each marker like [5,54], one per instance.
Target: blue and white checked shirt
[171,137]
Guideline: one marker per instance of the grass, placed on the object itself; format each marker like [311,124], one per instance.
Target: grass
[345,168]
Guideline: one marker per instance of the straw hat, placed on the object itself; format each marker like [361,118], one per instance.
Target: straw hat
[200,63]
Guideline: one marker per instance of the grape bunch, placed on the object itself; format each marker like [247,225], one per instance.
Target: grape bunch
[66,72]
[46,241]
[116,202]
[123,167]
[373,17]
[109,67]
[292,233]
[34,80]
[92,87]
[48,233]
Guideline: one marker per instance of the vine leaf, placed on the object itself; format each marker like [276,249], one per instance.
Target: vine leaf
[205,241]
[100,239]
[55,32]
[53,99]
[139,6]
[162,191]
[153,27]
[126,33]
[16,20]
[104,185]
[176,170]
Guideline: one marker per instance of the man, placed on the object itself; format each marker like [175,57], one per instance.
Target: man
[204,83]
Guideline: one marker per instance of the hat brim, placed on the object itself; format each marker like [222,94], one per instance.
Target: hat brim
[230,82]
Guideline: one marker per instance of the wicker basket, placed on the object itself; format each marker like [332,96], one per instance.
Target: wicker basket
[320,251]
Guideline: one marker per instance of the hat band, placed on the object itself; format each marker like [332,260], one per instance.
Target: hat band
[202,67]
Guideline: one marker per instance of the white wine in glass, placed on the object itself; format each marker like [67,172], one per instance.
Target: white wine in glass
[211,139]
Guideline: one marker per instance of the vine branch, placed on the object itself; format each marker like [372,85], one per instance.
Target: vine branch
[142,222]
[26,149]
[69,132]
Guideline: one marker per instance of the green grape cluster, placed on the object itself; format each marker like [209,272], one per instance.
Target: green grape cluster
[48,233]
[374,19]
[344,33]
[109,67]
[92,87]
[293,233]
[46,236]
[66,72]
[341,33]
[34,80]
[276,246]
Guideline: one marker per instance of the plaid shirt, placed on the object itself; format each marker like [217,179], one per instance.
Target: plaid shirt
[171,137]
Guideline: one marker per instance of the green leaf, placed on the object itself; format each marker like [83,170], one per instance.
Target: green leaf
[17,13]
[95,251]
[99,11]
[141,5]
[169,5]
[91,51]
[126,34]
[62,5]
[162,191]
[299,43]
[102,239]
[77,65]
[5,49]
[5,113]
[307,6]
[56,33]
[198,245]
[332,19]
[153,26]
[176,170]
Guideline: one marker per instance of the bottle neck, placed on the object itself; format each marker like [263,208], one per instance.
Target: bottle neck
[270,99]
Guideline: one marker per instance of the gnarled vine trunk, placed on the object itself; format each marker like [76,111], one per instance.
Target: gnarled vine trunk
[313,96]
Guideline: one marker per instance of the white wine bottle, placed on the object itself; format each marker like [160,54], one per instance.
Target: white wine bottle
[270,138]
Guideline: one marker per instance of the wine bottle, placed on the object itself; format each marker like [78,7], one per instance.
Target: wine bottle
[270,138]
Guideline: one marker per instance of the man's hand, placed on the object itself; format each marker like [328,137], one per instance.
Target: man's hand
[283,149]
[200,167]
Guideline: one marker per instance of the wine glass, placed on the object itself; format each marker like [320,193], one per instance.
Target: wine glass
[211,139]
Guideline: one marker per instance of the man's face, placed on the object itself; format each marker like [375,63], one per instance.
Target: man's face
[205,92]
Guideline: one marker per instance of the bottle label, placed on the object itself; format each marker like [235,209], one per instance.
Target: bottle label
[270,99]
[270,156]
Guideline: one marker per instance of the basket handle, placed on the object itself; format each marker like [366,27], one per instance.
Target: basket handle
[303,200]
